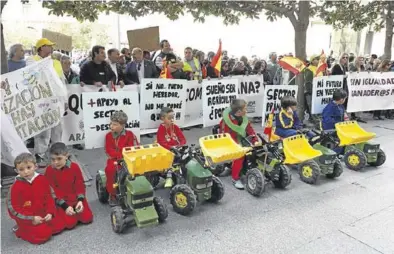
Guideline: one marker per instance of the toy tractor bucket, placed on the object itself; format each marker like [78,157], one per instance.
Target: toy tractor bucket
[147,158]
[297,150]
[350,133]
[220,148]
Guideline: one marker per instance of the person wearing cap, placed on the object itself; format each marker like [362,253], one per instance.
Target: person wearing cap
[309,74]
[44,49]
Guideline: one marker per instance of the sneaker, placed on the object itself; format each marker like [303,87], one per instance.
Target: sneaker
[238,184]
[15,228]
[113,201]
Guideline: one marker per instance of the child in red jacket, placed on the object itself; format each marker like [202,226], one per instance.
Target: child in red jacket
[236,123]
[31,203]
[115,141]
[169,134]
[66,179]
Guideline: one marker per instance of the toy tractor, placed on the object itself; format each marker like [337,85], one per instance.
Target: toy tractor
[135,196]
[190,177]
[358,152]
[328,163]
[263,163]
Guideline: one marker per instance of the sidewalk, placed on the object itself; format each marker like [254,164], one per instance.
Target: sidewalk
[352,214]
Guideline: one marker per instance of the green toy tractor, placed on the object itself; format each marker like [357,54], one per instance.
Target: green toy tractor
[191,180]
[328,163]
[357,151]
[263,163]
[136,201]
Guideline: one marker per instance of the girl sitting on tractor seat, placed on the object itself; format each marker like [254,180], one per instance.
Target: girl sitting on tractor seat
[287,123]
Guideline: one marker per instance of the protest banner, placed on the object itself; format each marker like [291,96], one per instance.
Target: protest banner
[11,143]
[251,89]
[33,98]
[272,97]
[72,121]
[322,91]
[193,112]
[370,91]
[217,94]
[159,93]
[97,110]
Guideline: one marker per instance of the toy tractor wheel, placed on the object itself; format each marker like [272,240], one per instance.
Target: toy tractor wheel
[338,170]
[160,208]
[154,179]
[182,199]
[309,171]
[255,182]
[101,190]
[380,160]
[284,177]
[355,159]
[118,220]
[217,190]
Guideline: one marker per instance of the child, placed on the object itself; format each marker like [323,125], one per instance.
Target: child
[334,112]
[115,141]
[66,179]
[287,123]
[31,203]
[237,125]
[169,134]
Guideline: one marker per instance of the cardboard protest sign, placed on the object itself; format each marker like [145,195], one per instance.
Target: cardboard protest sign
[97,110]
[62,41]
[251,89]
[72,121]
[272,97]
[370,91]
[159,93]
[193,112]
[145,38]
[217,94]
[33,98]
[323,89]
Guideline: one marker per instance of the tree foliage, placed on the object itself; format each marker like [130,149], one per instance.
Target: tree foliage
[355,14]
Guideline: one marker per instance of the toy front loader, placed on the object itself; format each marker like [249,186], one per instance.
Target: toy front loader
[135,195]
[358,152]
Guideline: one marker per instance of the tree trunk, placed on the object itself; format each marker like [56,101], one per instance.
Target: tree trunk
[4,64]
[388,42]
[300,29]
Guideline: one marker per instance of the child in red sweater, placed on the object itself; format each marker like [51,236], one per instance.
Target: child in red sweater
[66,179]
[115,141]
[169,134]
[31,203]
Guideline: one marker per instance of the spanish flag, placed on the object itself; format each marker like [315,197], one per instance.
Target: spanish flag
[269,124]
[322,66]
[166,72]
[216,62]
[292,64]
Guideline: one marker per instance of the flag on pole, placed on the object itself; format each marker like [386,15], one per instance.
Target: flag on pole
[269,124]
[322,66]
[292,64]
[166,71]
[216,62]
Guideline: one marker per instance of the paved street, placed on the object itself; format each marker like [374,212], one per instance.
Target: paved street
[351,214]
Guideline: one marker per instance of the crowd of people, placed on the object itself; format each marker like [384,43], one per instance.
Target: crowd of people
[128,67]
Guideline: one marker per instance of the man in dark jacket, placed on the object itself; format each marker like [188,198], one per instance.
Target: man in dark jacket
[97,71]
[139,68]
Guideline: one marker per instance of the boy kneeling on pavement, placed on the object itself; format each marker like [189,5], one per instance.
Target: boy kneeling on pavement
[236,123]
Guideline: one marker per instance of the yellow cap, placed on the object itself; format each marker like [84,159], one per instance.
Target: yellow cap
[313,57]
[44,42]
